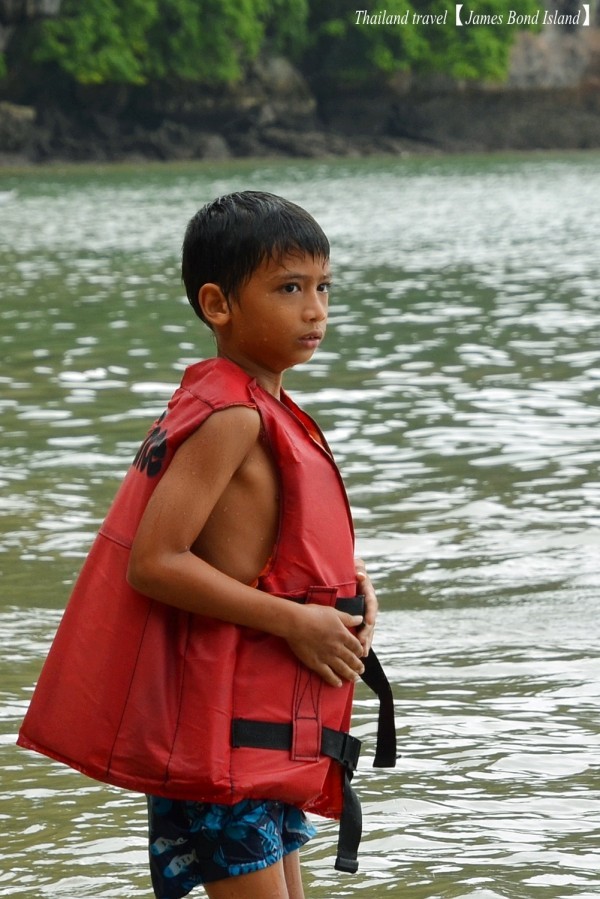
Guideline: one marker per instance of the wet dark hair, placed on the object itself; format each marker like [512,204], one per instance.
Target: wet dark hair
[227,240]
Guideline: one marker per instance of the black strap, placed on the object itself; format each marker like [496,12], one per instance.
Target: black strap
[375,678]
[352,605]
[337,745]
[334,743]
[260,734]
[350,830]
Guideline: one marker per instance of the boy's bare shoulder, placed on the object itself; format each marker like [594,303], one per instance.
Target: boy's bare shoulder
[224,493]
[217,497]
[228,434]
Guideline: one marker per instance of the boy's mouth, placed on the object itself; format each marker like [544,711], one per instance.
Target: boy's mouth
[313,338]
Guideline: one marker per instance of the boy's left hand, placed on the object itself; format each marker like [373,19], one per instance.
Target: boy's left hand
[364,586]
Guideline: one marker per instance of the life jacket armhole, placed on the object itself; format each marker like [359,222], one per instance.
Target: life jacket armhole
[114,536]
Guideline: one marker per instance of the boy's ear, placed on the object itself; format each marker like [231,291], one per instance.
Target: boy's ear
[214,304]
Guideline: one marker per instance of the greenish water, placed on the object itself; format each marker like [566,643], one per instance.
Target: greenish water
[459,387]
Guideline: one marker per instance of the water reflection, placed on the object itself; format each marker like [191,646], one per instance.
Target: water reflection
[459,388]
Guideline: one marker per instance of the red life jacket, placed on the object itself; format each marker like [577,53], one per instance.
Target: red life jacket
[147,697]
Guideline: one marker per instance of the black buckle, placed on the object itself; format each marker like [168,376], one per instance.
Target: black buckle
[350,753]
[342,747]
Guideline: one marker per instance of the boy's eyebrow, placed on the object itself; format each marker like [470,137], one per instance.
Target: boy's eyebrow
[302,277]
[299,276]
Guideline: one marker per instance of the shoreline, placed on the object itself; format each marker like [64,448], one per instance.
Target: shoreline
[176,127]
[15,164]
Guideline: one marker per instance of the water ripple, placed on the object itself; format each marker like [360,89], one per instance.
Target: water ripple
[459,390]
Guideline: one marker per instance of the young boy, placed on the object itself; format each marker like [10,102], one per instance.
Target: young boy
[208,653]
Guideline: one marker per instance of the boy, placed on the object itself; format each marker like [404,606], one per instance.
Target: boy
[208,654]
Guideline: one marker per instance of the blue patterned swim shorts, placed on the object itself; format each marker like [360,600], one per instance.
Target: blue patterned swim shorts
[192,843]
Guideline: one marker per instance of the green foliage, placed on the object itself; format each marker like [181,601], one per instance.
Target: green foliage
[353,49]
[479,51]
[286,26]
[211,41]
[205,41]
[134,41]
[99,40]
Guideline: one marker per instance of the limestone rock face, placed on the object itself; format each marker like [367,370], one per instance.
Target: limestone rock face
[19,12]
[553,58]
[272,93]
[12,12]
[16,127]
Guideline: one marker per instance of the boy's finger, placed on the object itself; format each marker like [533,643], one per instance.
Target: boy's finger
[351,620]
[336,676]
[365,635]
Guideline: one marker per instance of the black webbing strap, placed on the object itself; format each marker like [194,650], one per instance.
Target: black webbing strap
[260,734]
[385,752]
[350,830]
[337,745]
[273,735]
[374,677]
[352,605]
[334,743]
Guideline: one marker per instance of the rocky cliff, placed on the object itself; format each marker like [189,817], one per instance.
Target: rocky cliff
[19,12]
[551,101]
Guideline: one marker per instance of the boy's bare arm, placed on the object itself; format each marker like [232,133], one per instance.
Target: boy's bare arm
[164,566]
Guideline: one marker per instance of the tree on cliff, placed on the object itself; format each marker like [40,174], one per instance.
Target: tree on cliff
[417,35]
[211,41]
[133,42]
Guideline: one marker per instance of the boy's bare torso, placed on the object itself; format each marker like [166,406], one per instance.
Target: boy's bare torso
[240,532]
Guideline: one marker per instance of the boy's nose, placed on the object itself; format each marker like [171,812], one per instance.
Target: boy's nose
[316,308]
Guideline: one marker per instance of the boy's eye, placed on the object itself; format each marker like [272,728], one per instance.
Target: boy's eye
[294,287]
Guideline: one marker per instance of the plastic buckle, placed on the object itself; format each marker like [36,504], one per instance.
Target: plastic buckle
[350,752]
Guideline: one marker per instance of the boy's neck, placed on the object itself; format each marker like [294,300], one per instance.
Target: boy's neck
[271,382]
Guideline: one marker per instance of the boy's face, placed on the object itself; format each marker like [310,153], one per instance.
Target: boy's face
[279,316]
